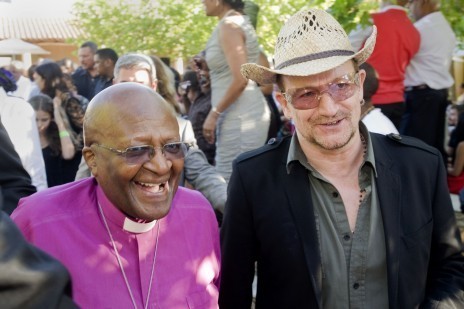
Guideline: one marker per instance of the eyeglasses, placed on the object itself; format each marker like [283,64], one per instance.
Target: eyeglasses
[340,89]
[144,153]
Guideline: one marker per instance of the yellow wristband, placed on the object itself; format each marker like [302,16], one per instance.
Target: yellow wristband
[64,133]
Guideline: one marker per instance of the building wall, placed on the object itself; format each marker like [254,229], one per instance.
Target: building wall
[57,51]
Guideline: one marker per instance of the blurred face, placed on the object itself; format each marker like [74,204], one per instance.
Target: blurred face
[85,55]
[453,117]
[140,76]
[43,120]
[332,123]
[99,65]
[40,82]
[103,66]
[142,191]
[205,83]
[211,7]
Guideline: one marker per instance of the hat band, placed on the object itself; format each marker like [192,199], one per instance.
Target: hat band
[311,57]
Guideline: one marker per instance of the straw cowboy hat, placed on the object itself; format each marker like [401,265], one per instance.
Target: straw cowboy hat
[310,42]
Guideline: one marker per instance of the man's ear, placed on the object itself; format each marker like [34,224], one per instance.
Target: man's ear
[362,79]
[284,104]
[90,159]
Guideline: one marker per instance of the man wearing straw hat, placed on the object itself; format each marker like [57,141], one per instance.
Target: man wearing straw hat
[335,216]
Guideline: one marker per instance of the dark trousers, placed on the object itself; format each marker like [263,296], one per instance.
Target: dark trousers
[424,116]
[394,112]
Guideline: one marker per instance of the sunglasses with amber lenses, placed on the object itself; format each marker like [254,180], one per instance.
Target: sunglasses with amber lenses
[342,88]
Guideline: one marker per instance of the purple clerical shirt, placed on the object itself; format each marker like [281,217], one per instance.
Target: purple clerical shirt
[65,222]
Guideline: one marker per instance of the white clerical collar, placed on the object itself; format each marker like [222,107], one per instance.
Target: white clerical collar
[137,227]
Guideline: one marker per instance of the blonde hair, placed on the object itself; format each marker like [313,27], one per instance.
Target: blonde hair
[166,83]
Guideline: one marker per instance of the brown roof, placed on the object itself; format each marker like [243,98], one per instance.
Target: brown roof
[36,30]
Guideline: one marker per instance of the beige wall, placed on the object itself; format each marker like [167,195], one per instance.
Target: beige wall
[57,51]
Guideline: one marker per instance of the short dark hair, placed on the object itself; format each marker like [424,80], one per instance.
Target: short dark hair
[371,83]
[192,77]
[107,53]
[93,47]
[235,4]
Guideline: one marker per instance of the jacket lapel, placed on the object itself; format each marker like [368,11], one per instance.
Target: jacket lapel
[388,184]
[299,196]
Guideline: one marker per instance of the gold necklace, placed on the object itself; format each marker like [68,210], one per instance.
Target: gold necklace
[120,263]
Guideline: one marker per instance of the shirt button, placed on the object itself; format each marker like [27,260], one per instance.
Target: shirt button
[346,237]
[335,194]
[356,286]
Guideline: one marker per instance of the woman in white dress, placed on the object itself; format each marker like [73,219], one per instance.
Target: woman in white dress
[239,118]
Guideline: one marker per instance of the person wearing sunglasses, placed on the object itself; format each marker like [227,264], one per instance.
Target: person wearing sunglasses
[139,68]
[336,216]
[130,236]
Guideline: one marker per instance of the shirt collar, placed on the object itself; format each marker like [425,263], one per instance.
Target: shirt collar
[117,217]
[296,154]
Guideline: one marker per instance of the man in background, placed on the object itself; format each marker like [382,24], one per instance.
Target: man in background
[397,42]
[428,76]
[105,59]
[371,116]
[84,77]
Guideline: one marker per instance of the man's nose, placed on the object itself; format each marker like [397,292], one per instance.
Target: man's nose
[158,163]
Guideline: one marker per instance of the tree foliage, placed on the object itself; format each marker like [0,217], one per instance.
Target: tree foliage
[179,28]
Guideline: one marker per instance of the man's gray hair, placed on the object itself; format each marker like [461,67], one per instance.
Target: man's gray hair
[137,61]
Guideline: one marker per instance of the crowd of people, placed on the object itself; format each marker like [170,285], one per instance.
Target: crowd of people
[143,187]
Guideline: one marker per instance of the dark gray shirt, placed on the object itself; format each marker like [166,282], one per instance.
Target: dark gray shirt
[354,269]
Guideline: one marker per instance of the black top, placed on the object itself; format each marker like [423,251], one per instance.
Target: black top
[60,171]
[102,82]
[84,83]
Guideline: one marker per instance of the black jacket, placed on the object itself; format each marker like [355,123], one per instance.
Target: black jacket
[269,218]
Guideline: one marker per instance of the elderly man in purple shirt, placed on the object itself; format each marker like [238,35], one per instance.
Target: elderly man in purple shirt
[130,237]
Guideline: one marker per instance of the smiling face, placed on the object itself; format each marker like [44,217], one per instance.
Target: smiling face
[130,117]
[332,124]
